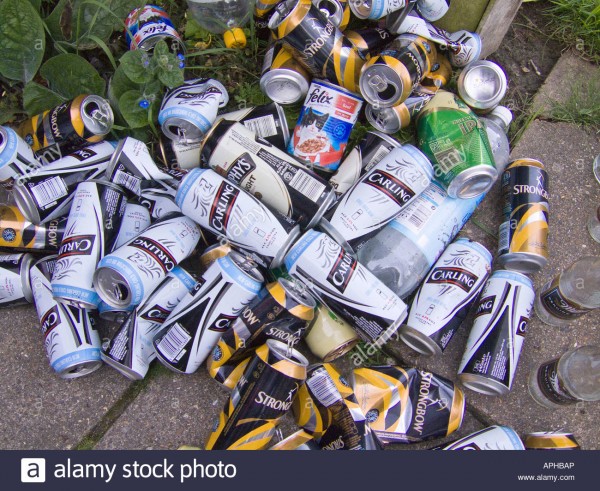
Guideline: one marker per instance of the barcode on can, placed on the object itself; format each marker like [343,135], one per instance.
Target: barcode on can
[504,238]
[127,181]
[264,126]
[307,185]
[382,151]
[172,345]
[49,191]
[323,388]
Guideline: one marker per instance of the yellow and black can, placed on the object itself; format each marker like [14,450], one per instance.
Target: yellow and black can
[551,441]
[17,233]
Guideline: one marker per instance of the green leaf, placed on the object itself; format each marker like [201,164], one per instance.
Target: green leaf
[37,99]
[119,84]
[22,40]
[195,31]
[172,78]
[36,4]
[136,65]
[161,48]
[70,75]
[129,105]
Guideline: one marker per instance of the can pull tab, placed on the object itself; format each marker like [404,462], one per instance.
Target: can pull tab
[378,83]
[290,346]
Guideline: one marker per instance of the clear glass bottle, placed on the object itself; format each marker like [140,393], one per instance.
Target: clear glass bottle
[594,224]
[496,126]
[218,16]
[572,378]
[571,294]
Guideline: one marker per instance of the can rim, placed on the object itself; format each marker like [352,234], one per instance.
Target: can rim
[279,75]
[298,292]
[461,188]
[119,367]
[26,263]
[471,99]
[418,341]
[106,274]
[392,79]
[482,384]
[100,101]
[280,350]
[80,369]
[290,241]
[246,265]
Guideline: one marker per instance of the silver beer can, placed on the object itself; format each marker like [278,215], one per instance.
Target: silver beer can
[14,279]
[482,85]
[16,156]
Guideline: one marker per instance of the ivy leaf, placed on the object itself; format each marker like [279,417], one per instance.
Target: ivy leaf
[129,105]
[70,75]
[22,40]
[37,99]
[136,66]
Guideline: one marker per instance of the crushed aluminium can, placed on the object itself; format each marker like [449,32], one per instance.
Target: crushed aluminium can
[445,297]
[16,156]
[127,275]
[378,197]
[46,194]
[159,202]
[70,125]
[18,233]
[192,330]
[337,11]
[130,351]
[267,173]
[523,236]
[71,341]
[261,397]
[188,111]
[15,288]
[492,353]
[407,405]
[329,337]
[92,227]
[492,438]
[323,129]
[370,41]
[147,25]
[300,440]
[345,286]
[230,212]
[281,311]
[552,440]
[370,150]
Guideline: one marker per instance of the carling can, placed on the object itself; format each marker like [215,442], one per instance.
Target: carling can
[70,125]
[551,440]
[193,329]
[329,337]
[188,111]
[71,341]
[266,172]
[46,194]
[378,197]
[408,405]
[131,165]
[262,396]
[177,155]
[18,233]
[326,120]
[281,311]
[455,141]
[317,43]
[345,286]
[494,345]
[388,79]
[159,203]
[230,212]
[16,156]
[445,297]
[91,230]
[368,152]
[492,438]
[390,120]
[131,350]
[378,9]
[433,10]
[337,11]
[135,220]
[283,78]
[113,314]
[267,122]
[127,275]
[147,25]
[15,288]
[370,41]
[523,241]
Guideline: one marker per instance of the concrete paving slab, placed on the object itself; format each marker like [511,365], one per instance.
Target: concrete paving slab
[40,410]
[570,74]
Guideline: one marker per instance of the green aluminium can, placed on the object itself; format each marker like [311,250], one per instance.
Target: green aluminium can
[455,141]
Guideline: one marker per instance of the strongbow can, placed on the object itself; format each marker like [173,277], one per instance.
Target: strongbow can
[192,330]
[300,440]
[230,212]
[126,276]
[370,150]
[378,197]
[407,405]
[338,11]
[455,141]
[71,341]
[523,241]
[324,126]
[445,297]
[370,41]
[94,220]
[552,440]
[262,396]
[16,156]
[494,345]
[69,126]
[14,279]
[280,311]
[345,286]
[268,173]
[130,351]
[18,233]
[390,120]
[492,438]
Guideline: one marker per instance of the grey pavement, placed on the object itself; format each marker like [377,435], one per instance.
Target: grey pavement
[105,411]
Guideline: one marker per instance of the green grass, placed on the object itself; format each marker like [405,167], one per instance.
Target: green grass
[577,24]
[582,107]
